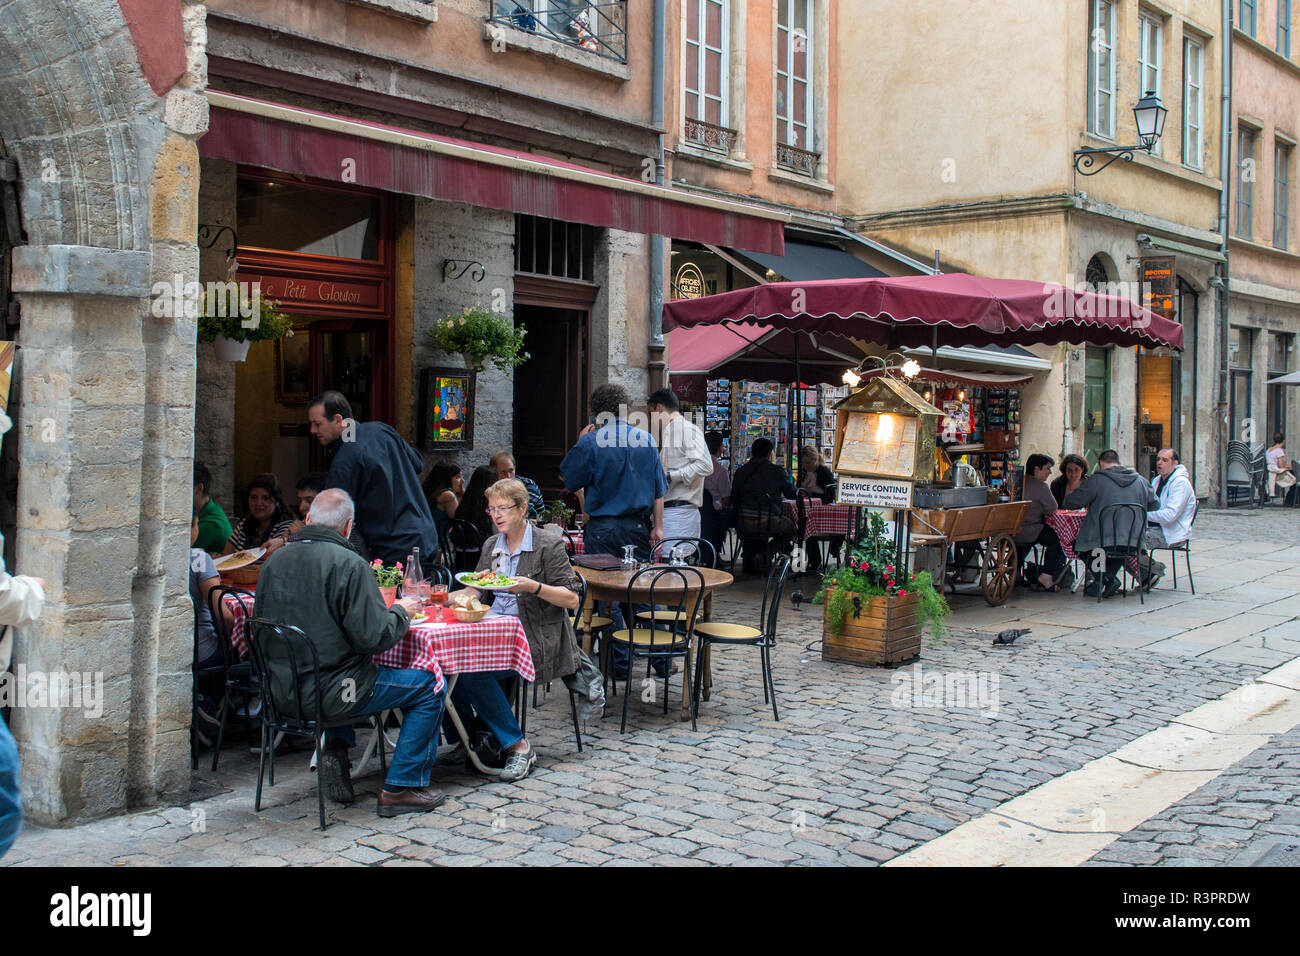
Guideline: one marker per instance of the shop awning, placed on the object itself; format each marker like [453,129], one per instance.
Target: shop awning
[759,353]
[807,260]
[966,377]
[996,356]
[326,146]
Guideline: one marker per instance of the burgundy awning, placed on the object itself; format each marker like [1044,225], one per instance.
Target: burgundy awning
[339,149]
[905,311]
[966,376]
[759,353]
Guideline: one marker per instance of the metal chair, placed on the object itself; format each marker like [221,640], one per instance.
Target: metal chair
[269,641]
[702,553]
[763,637]
[439,574]
[238,675]
[1122,543]
[755,518]
[655,643]
[464,543]
[1186,548]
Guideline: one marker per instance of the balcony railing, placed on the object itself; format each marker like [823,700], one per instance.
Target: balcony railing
[716,138]
[600,28]
[796,159]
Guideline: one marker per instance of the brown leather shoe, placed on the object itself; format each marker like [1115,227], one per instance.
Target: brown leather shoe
[410,800]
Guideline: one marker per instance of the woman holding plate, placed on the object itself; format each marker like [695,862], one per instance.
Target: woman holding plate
[543,595]
[268,523]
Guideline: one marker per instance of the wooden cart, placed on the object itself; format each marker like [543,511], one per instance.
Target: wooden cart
[991,528]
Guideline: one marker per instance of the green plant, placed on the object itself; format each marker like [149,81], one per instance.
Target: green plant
[869,570]
[558,512]
[267,322]
[481,336]
[387,576]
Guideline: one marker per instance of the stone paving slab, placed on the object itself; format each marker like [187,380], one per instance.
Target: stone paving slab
[863,765]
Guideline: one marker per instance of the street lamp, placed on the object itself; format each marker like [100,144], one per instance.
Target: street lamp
[1149,116]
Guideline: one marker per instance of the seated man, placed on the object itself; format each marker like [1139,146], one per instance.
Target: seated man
[1170,521]
[504,463]
[214,526]
[756,494]
[1111,483]
[321,585]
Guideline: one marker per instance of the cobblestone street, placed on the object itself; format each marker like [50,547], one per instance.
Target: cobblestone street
[864,765]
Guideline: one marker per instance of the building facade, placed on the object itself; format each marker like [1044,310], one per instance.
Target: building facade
[978,164]
[1264,285]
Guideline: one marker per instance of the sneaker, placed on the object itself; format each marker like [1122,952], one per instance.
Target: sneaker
[518,763]
[252,709]
[1152,579]
[336,772]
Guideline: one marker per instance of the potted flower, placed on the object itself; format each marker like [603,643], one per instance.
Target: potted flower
[231,335]
[872,615]
[481,336]
[388,578]
[557,512]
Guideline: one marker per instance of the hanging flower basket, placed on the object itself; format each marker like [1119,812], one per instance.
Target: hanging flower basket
[232,334]
[482,337]
[228,350]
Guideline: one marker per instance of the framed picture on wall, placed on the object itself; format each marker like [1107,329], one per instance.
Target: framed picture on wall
[446,408]
[293,367]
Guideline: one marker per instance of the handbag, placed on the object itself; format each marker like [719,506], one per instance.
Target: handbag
[588,685]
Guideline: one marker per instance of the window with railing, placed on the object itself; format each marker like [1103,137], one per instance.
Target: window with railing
[705,55]
[795,96]
[598,27]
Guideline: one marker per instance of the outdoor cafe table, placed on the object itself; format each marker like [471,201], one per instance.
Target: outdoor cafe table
[612,586]
[496,643]
[823,519]
[1066,524]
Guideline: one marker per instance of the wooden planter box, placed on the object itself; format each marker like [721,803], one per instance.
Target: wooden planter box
[887,633]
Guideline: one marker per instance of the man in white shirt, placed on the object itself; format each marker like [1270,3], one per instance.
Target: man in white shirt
[686,461]
[1171,520]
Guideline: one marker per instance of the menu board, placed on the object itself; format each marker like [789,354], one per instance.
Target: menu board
[879,444]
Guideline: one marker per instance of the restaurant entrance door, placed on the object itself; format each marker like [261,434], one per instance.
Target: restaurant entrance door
[551,391]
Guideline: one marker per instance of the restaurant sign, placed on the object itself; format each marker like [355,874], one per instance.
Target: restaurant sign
[1156,273]
[874,492]
[689,282]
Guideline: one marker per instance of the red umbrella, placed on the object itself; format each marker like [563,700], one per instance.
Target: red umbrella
[906,311]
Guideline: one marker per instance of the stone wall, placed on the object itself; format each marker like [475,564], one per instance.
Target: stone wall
[214,414]
[106,401]
[445,230]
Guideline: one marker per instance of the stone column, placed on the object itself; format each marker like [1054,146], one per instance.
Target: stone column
[79,504]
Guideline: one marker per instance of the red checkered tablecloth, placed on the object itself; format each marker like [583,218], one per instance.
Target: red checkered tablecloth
[1066,524]
[823,519]
[496,643]
[579,546]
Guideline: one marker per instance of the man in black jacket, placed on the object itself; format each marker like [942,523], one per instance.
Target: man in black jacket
[381,473]
[320,584]
[756,494]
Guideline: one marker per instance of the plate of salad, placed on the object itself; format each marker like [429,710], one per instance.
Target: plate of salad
[485,580]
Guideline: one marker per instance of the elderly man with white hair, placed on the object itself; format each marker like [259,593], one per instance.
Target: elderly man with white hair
[320,584]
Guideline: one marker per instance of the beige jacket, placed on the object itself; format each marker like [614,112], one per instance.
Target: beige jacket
[686,459]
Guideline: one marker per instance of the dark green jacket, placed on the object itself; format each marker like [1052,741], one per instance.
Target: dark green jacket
[318,583]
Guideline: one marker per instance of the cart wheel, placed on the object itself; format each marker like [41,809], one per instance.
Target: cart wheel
[999,573]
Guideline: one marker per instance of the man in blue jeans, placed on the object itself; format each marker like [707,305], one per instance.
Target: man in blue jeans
[320,584]
[624,482]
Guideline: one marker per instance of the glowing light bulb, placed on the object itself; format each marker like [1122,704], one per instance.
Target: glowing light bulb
[911,368]
[851,378]
[885,428]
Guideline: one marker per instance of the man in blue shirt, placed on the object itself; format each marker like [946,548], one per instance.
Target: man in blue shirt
[619,470]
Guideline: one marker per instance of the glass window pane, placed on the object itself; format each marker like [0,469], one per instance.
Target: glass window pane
[713,112]
[801,15]
[800,97]
[298,218]
[783,12]
[713,27]
[713,73]
[692,19]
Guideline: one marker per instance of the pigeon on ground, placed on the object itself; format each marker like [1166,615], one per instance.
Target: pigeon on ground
[1009,636]
[796,598]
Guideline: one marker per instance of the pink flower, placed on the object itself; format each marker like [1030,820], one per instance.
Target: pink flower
[398,565]
[902,594]
[376,563]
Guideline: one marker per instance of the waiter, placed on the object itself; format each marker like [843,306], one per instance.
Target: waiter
[381,473]
[624,482]
[686,463]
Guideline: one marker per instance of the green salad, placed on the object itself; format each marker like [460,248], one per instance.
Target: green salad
[487,579]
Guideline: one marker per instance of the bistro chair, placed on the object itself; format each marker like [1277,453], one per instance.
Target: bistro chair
[1186,548]
[464,543]
[654,643]
[763,637]
[1121,527]
[268,641]
[439,574]
[238,676]
[757,519]
[702,555]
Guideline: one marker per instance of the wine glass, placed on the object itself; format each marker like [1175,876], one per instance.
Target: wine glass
[437,596]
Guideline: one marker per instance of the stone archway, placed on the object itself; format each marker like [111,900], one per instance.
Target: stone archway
[101,114]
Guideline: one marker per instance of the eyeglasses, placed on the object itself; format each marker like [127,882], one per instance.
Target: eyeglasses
[500,509]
